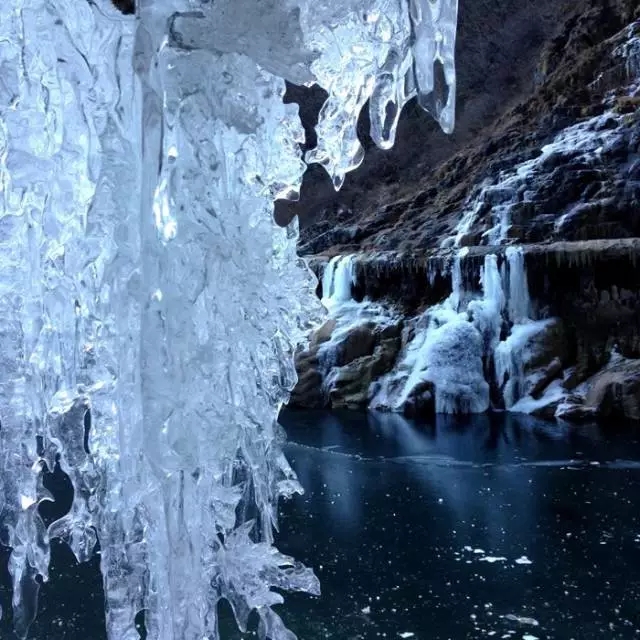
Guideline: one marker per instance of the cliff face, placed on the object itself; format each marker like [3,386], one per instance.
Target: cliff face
[412,196]
[499,44]
[546,165]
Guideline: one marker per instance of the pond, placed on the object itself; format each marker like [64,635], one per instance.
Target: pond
[486,527]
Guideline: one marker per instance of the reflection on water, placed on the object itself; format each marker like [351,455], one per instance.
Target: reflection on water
[473,528]
[484,527]
[486,439]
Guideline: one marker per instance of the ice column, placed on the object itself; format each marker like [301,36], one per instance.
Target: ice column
[145,291]
[337,280]
[511,354]
[69,258]
[519,300]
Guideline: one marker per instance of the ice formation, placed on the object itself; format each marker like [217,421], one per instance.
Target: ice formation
[583,142]
[454,341]
[512,353]
[447,349]
[337,280]
[148,303]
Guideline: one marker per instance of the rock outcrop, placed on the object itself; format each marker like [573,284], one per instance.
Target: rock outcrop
[613,392]
[557,175]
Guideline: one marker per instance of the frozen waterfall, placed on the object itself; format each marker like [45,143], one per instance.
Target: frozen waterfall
[453,343]
[149,305]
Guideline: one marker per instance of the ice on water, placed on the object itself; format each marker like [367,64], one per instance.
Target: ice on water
[144,283]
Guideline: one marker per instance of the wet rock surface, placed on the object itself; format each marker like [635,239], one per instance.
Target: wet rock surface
[341,375]
[615,391]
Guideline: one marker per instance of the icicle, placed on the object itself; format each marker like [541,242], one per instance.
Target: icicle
[519,304]
[328,278]
[491,281]
[487,313]
[457,288]
[434,67]
[337,281]
[447,348]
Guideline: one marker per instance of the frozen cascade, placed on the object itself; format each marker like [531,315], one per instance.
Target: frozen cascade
[512,353]
[584,142]
[454,340]
[446,351]
[146,294]
[348,314]
[519,299]
[337,280]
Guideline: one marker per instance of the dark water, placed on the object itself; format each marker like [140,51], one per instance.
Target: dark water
[455,530]
[492,527]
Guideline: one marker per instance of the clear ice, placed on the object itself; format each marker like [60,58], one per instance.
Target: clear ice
[149,305]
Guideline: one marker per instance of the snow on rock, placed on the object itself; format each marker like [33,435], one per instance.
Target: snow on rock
[583,142]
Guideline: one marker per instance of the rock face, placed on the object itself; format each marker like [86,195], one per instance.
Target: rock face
[308,391]
[538,67]
[350,386]
[529,366]
[499,43]
[585,304]
[554,170]
[339,372]
[615,391]
[128,7]
[612,394]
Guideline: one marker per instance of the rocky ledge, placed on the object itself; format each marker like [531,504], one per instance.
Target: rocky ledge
[509,278]
[545,323]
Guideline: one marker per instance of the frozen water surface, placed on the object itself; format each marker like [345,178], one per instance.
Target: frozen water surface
[465,528]
[475,528]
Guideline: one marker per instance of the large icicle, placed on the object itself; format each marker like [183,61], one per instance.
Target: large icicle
[69,257]
[388,52]
[145,291]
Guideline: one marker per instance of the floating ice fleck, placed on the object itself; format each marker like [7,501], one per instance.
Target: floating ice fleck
[522,620]
[492,559]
